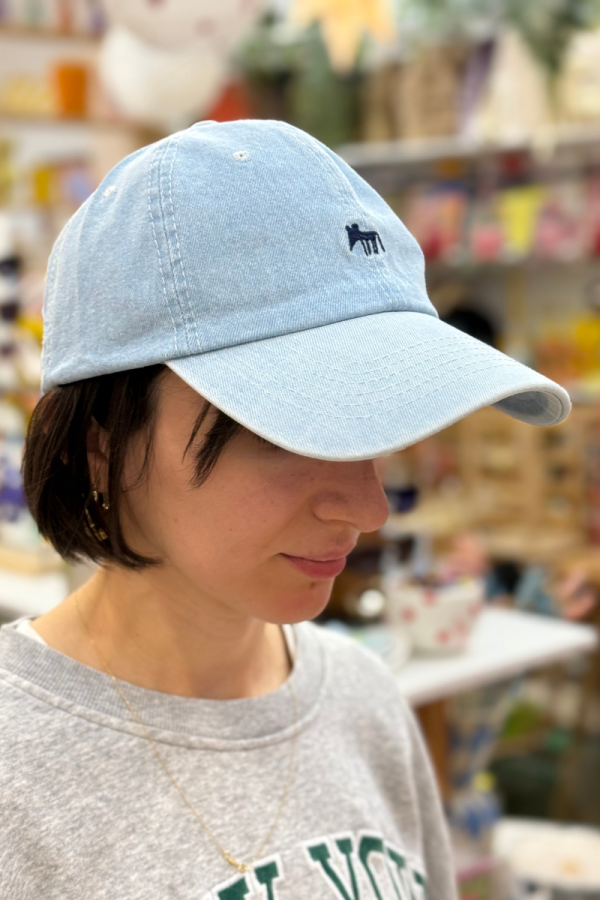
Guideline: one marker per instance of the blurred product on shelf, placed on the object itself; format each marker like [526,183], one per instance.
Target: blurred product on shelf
[6,172]
[62,92]
[473,811]
[475,720]
[437,617]
[160,87]
[537,478]
[22,94]
[471,220]
[514,72]
[428,92]
[438,606]
[20,544]
[549,861]
[183,23]
[578,91]
[16,526]
[416,98]
[61,17]
[343,24]
[289,76]
[448,83]
[480,879]
[70,81]
[19,350]
[165,64]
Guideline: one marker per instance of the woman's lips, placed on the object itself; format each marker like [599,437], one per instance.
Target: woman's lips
[315,569]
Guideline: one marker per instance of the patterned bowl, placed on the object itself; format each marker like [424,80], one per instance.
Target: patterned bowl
[437,618]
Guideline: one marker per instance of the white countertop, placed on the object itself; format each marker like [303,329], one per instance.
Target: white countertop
[504,643]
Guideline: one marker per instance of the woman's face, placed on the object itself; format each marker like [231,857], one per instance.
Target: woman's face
[226,538]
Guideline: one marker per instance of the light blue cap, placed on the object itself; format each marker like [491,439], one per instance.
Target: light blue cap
[259,266]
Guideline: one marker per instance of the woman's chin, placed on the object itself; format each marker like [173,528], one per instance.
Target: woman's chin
[299,606]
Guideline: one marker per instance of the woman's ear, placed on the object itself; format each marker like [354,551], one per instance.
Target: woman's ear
[97,454]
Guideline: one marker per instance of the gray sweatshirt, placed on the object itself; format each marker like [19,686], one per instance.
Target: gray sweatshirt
[88,812]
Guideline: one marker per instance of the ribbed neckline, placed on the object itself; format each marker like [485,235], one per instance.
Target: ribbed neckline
[80,690]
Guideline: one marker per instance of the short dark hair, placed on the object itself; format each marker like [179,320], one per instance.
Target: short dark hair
[55,469]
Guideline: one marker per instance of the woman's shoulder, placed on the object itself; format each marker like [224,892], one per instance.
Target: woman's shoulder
[27,712]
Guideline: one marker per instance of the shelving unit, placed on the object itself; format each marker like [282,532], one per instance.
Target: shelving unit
[34,580]
[374,154]
[392,166]
[25,32]
[8,118]
[504,643]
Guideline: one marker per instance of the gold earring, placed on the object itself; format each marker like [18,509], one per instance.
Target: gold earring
[98,532]
[105,504]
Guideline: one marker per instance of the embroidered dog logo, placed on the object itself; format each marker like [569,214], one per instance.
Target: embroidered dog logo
[368,239]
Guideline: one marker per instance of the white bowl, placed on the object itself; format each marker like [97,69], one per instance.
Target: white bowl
[438,619]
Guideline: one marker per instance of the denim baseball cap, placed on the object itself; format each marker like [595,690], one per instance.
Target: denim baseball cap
[264,271]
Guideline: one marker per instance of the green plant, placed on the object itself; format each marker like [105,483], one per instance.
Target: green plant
[294,63]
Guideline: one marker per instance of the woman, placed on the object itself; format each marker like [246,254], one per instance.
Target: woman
[236,330]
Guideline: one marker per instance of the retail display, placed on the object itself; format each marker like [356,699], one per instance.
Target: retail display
[343,25]
[558,862]
[162,87]
[471,220]
[181,23]
[63,17]
[478,122]
[19,388]
[437,617]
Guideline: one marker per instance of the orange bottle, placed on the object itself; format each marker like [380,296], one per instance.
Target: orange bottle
[71,84]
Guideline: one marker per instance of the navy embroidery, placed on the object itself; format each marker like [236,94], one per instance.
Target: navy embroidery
[368,239]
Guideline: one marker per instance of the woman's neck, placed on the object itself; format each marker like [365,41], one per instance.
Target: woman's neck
[171,644]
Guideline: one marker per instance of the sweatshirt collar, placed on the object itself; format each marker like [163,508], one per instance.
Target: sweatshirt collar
[65,683]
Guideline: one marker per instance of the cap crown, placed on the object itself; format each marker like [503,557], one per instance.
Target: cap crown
[218,235]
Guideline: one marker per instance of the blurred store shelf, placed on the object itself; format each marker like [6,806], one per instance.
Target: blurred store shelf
[16,119]
[28,562]
[436,515]
[371,154]
[12,32]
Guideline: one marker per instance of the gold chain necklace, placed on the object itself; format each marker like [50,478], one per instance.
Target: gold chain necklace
[240,866]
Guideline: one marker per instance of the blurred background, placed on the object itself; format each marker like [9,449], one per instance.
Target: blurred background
[479,123]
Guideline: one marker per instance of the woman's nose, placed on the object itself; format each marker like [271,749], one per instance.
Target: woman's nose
[354,494]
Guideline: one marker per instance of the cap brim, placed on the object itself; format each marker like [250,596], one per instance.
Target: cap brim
[367,386]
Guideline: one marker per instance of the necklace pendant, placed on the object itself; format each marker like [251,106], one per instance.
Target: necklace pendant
[241,867]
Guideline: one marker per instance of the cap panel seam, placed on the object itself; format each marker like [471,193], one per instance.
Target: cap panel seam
[177,260]
[51,280]
[159,183]
[160,265]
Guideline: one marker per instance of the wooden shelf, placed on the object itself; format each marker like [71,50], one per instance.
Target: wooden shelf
[46,34]
[529,263]
[399,153]
[30,563]
[72,121]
